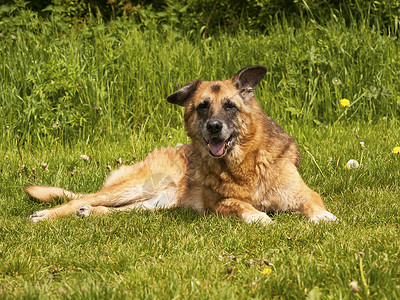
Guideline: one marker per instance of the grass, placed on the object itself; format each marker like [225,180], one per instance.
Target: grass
[100,90]
[100,79]
[178,254]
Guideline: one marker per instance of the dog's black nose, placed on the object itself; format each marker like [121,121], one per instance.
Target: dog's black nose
[214,126]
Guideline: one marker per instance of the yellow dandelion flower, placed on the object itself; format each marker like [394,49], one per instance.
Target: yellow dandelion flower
[344,102]
[396,150]
[266,271]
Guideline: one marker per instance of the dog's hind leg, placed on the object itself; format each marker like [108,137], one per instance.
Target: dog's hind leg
[64,209]
[113,197]
[166,199]
[142,183]
[161,195]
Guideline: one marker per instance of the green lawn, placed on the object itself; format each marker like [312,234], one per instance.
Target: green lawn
[100,90]
[178,254]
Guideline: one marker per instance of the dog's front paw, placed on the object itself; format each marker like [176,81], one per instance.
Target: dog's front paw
[40,216]
[84,211]
[325,216]
[256,217]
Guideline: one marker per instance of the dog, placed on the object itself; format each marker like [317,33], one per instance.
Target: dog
[239,162]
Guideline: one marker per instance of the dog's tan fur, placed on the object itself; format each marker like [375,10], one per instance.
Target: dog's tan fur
[252,172]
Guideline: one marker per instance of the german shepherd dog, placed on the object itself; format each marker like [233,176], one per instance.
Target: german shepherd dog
[239,162]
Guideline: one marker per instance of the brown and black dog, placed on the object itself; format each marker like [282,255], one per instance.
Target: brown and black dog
[240,162]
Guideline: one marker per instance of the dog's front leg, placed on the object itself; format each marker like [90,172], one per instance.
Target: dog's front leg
[242,210]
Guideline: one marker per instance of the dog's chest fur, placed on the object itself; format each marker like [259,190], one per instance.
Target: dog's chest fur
[250,176]
[211,180]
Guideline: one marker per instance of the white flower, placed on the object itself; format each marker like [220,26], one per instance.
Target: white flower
[84,157]
[352,164]
[336,81]
[354,287]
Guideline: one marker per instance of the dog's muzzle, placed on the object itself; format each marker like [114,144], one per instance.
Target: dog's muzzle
[216,142]
[217,147]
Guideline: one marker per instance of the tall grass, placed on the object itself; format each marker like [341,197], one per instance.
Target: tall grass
[102,79]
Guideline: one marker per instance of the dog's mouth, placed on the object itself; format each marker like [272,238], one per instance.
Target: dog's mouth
[217,147]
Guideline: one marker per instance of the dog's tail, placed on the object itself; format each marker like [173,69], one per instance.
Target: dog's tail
[46,194]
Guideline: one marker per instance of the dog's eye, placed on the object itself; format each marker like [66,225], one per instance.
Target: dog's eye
[203,106]
[229,105]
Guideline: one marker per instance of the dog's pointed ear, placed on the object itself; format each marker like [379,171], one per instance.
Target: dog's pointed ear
[247,79]
[183,95]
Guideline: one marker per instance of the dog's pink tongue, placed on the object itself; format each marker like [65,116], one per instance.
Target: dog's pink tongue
[217,147]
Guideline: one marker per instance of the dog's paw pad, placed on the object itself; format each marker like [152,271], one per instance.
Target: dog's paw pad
[325,216]
[84,211]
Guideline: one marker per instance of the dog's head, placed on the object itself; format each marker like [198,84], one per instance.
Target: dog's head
[215,110]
